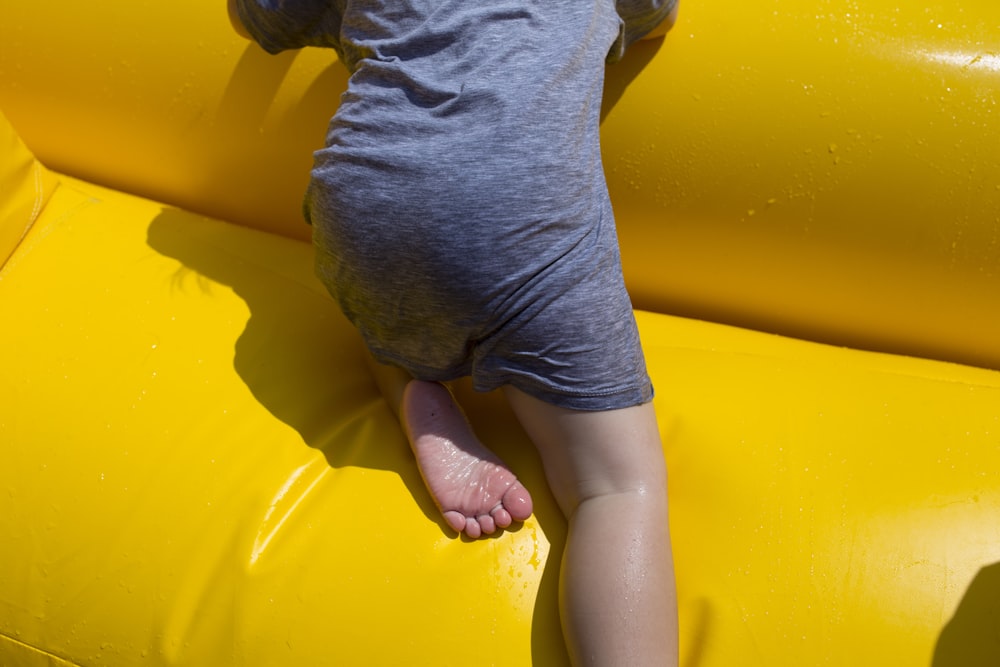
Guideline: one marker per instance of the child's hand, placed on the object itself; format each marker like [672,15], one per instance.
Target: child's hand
[663,28]
[234,18]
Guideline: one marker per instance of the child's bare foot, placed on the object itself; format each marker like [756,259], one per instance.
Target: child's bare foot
[473,488]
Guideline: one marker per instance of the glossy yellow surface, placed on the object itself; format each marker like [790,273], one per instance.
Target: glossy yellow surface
[820,169]
[26,185]
[198,470]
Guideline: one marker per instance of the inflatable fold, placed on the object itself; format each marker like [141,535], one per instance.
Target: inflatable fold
[199,470]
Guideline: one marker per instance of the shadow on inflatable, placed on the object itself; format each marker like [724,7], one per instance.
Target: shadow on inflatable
[297,352]
[972,636]
[296,342]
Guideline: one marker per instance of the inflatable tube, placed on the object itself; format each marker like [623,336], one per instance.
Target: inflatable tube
[823,171]
[816,170]
[198,470]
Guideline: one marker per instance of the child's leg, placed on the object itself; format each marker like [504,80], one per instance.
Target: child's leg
[606,469]
[473,488]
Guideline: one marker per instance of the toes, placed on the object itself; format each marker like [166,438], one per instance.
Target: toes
[472,528]
[487,524]
[468,525]
[517,501]
[483,524]
[456,520]
[501,517]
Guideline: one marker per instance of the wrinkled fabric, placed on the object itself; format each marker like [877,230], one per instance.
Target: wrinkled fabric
[460,213]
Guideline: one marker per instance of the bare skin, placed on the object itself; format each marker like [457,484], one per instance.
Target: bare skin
[618,600]
[475,491]
[607,472]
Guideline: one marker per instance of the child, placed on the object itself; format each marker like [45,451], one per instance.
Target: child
[462,221]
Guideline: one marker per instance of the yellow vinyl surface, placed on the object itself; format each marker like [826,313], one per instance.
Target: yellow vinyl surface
[27,186]
[817,169]
[198,470]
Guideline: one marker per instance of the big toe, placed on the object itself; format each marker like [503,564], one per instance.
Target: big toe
[517,502]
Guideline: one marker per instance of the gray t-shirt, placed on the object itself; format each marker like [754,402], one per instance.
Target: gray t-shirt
[460,212]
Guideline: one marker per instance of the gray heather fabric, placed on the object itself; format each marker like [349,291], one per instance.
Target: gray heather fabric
[460,213]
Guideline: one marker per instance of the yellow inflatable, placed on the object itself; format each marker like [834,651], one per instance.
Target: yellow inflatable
[197,469]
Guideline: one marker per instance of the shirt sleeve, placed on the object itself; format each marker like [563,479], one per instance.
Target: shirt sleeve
[638,18]
[280,25]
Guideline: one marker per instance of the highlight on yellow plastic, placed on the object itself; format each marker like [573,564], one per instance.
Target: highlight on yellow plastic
[819,169]
[25,186]
[198,470]
[224,486]
[823,171]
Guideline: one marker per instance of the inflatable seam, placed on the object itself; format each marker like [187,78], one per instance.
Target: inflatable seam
[40,198]
[6,641]
[38,205]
